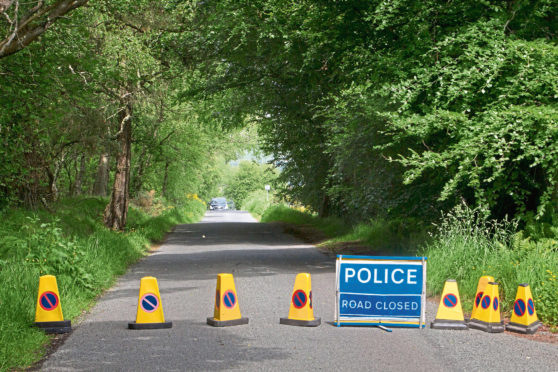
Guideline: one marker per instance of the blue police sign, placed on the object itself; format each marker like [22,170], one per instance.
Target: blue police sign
[381,291]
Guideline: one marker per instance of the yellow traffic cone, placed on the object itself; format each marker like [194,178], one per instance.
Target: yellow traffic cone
[301,312]
[487,317]
[227,311]
[483,281]
[524,318]
[150,308]
[450,312]
[48,314]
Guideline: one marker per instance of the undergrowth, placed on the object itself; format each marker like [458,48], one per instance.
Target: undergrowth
[71,243]
[463,246]
[331,227]
[466,247]
[397,235]
[257,202]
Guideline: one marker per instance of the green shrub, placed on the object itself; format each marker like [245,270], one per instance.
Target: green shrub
[331,226]
[72,244]
[397,236]
[248,178]
[285,214]
[467,247]
[257,202]
[464,247]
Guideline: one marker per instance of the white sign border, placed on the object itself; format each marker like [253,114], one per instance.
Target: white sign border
[390,261]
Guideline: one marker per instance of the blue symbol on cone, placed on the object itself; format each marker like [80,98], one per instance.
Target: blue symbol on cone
[450,300]
[478,299]
[485,302]
[495,303]
[229,299]
[299,299]
[531,306]
[49,301]
[149,303]
[519,307]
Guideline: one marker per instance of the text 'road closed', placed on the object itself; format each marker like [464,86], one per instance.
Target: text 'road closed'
[351,304]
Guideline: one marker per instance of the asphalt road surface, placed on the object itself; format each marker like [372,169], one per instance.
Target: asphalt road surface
[264,262]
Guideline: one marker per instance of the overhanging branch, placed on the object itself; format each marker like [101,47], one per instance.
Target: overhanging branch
[39,19]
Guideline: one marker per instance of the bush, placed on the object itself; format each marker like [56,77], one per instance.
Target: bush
[467,247]
[401,235]
[72,244]
[397,235]
[249,177]
[257,202]
[331,226]
[285,214]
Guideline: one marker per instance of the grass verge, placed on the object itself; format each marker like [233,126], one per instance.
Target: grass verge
[330,227]
[257,202]
[463,247]
[71,243]
[377,236]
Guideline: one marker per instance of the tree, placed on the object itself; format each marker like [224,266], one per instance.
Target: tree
[249,177]
[370,108]
[28,20]
[382,106]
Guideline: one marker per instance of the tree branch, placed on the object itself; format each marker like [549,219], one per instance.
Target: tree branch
[5,5]
[35,23]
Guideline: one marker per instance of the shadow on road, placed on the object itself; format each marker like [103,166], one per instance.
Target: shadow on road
[240,262]
[217,349]
[206,234]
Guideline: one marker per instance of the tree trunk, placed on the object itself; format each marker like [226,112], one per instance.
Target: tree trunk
[143,160]
[102,177]
[53,178]
[324,207]
[165,180]
[79,176]
[34,23]
[116,211]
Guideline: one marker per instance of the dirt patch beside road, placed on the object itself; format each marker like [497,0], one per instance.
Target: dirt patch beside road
[311,235]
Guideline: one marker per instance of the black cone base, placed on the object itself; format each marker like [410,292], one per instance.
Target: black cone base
[487,327]
[301,323]
[134,325]
[226,323]
[520,328]
[449,324]
[63,326]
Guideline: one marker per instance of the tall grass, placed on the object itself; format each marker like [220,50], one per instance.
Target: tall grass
[331,227]
[397,236]
[462,247]
[466,247]
[257,203]
[72,244]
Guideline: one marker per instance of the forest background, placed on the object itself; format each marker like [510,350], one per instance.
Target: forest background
[424,123]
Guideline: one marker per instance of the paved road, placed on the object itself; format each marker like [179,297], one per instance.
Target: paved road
[264,262]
